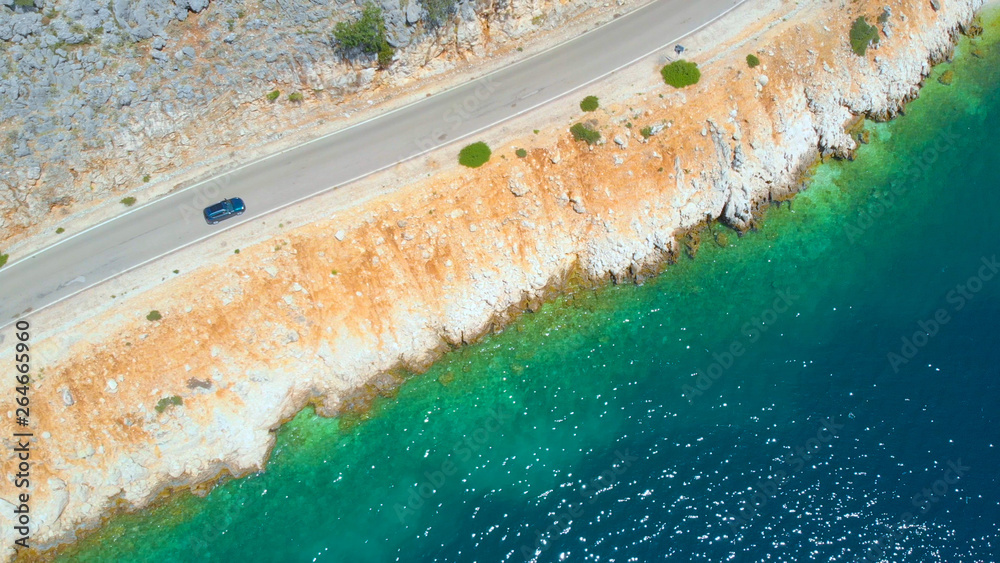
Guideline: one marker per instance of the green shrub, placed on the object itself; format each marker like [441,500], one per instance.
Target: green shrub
[681,73]
[589,103]
[237,251]
[646,132]
[60,231]
[146,178]
[862,35]
[385,55]
[172,401]
[365,34]
[154,315]
[3,259]
[273,95]
[295,97]
[521,153]
[128,201]
[753,61]
[583,133]
[25,3]
[474,155]
[438,11]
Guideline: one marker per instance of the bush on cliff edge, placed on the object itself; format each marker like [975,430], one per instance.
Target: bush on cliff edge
[581,132]
[862,36]
[681,73]
[474,155]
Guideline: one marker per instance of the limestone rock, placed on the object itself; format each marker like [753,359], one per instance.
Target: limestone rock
[67,396]
[517,186]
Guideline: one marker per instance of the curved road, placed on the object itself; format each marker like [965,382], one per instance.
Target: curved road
[174,221]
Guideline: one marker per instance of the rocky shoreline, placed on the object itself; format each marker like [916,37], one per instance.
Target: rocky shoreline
[310,316]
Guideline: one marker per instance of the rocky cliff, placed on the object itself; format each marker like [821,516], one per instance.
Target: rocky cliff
[325,312]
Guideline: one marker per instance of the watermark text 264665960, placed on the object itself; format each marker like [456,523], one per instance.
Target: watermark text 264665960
[22,432]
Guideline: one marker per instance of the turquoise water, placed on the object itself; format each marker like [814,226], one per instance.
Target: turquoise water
[846,408]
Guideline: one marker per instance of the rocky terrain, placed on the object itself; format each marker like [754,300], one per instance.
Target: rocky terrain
[100,100]
[328,312]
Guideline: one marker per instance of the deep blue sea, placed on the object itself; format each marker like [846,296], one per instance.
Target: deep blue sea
[823,389]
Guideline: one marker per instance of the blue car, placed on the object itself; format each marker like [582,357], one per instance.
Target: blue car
[224,210]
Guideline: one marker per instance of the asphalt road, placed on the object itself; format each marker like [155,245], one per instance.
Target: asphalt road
[174,221]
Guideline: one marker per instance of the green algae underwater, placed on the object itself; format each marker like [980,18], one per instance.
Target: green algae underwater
[822,389]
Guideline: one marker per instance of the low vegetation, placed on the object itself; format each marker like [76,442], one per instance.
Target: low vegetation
[681,73]
[295,97]
[273,95]
[3,259]
[589,103]
[146,178]
[581,132]
[646,132]
[154,315]
[365,35]
[521,153]
[385,55]
[474,155]
[128,201]
[753,61]
[60,231]
[438,11]
[166,402]
[863,36]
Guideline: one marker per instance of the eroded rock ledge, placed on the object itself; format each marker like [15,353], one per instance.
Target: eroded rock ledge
[318,312]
